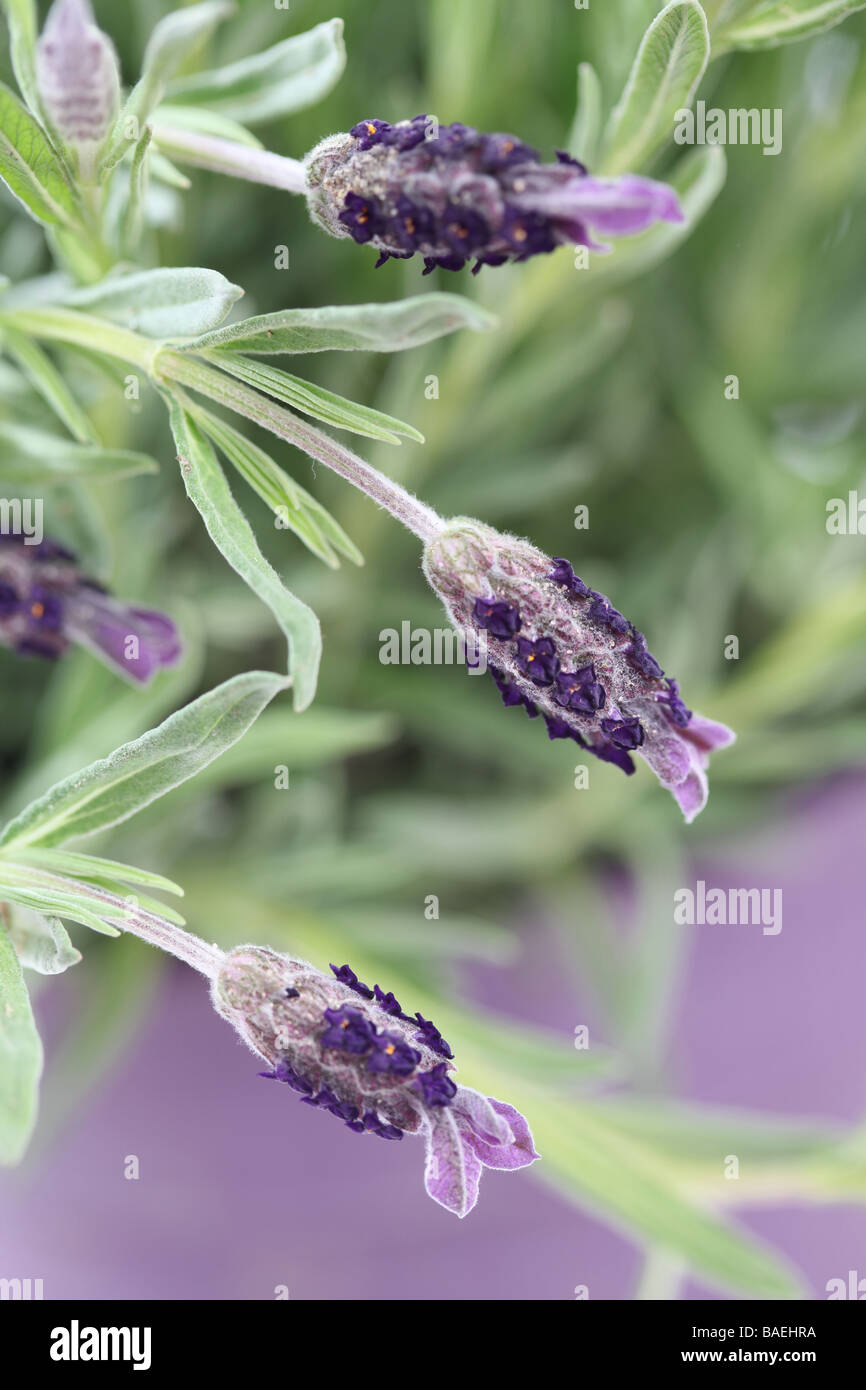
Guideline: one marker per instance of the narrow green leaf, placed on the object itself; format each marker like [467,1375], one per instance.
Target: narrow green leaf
[392,327]
[205,122]
[174,38]
[782,21]
[288,77]
[19,886]
[20,1057]
[314,400]
[231,533]
[90,866]
[586,127]
[51,385]
[139,772]
[670,63]
[29,455]
[30,168]
[296,508]
[23,24]
[157,302]
[615,1174]
[41,943]
[133,214]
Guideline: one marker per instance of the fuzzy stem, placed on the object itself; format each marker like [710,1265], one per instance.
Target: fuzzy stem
[232,158]
[119,912]
[415,515]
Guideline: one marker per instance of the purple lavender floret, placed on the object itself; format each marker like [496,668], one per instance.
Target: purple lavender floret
[452,194]
[46,603]
[566,653]
[377,1072]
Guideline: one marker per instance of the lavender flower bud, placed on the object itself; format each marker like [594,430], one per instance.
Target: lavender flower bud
[353,1052]
[453,195]
[46,603]
[560,649]
[77,74]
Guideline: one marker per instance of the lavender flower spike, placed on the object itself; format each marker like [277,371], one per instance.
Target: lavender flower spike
[369,1064]
[78,76]
[560,649]
[453,194]
[46,603]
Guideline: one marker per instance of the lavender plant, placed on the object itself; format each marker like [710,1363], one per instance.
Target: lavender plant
[96,168]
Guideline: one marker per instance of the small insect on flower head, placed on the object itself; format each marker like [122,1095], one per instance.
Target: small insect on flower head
[454,195]
[353,1051]
[560,649]
[46,602]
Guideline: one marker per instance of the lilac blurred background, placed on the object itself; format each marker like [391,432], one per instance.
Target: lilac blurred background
[242,1190]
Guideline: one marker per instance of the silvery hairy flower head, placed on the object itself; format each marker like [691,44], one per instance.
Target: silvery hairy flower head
[352,1051]
[77,74]
[46,602]
[561,650]
[453,195]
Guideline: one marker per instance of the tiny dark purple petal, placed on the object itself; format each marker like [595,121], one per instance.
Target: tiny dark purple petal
[463,230]
[369,133]
[347,976]
[500,619]
[393,1055]
[435,1085]
[537,659]
[624,733]
[349,1031]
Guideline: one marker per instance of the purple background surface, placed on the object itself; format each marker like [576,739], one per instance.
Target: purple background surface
[241,1189]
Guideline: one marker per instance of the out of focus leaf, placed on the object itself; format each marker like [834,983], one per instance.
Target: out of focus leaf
[669,65]
[293,74]
[586,127]
[137,773]
[35,457]
[51,385]
[20,1056]
[173,39]
[773,22]
[41,943]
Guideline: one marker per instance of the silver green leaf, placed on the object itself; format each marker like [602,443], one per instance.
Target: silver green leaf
[315,400]
[782,21]
[393,327]
[670,63]
[232,534]
[286,78]
[297,510]
[161,302]
[173,39]
[204,122]
[20,1056]
[137,773]
[22,21]
[50,383]
[586,128]
[33,456]
[41,943]
[30,168]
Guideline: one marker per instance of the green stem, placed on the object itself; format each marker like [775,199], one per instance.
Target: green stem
[82,330]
